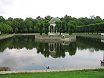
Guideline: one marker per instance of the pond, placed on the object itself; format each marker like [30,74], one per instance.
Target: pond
[26,53]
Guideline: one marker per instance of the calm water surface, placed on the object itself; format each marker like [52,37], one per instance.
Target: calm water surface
[25,53]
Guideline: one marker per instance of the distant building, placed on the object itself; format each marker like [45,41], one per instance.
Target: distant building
[52,26]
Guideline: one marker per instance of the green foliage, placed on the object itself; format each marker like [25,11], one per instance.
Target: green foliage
[67,24]
[2,19]
[71,27]
[59,26]
[5,28]
[99,27]
[40,25]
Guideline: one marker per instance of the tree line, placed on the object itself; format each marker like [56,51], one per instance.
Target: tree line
[67,24]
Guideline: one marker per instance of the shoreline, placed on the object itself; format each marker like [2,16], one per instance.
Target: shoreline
[95,73]
[45,38]
[49,70]
[96,36]
[5,36]
[52,38]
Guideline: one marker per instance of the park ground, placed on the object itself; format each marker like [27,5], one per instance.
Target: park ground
[95,73]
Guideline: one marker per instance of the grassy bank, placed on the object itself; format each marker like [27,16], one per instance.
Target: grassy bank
[4,36]
[97,73]
[90,35]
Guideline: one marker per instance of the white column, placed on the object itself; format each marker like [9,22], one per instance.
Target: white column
[49,28]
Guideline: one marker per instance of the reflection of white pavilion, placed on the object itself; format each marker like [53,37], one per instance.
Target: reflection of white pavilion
[52,27]
[102,37]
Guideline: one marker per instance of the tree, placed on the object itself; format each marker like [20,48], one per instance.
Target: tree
[2,19]
[98,19]
[29,24]
[71,27]
[59,26]
[67,24]
[40,26]
[46,26]
[4,28]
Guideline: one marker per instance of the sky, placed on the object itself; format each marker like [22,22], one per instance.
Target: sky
[54,8]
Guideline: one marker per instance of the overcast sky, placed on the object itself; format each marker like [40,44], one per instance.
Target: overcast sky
[54,8]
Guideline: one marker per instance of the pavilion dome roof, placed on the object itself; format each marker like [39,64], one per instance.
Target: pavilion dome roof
[54,20]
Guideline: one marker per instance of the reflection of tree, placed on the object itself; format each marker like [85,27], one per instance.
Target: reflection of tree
[85,43]
[43,48]
[60,50]
[4,44]
[72,48]
[47,49]
[53,49]
[18,42]
[50,49]
[56,49]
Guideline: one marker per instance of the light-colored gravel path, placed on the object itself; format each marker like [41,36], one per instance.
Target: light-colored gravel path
[48,70]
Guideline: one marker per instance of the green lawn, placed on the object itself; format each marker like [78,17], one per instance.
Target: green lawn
[98,73]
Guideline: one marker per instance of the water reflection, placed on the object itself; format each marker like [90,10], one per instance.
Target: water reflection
[47,49]
[91,43]
[25,53]
[56,49]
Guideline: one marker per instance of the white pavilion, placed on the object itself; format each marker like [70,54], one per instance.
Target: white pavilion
[52,27]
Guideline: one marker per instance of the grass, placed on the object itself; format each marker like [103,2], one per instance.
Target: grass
[98,73]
